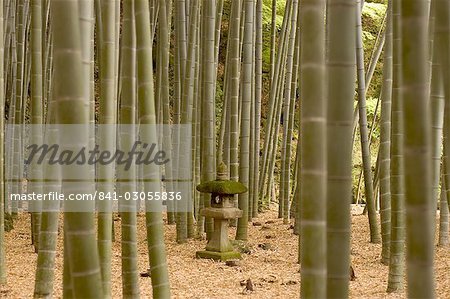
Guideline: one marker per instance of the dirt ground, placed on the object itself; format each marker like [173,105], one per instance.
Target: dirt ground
[271,264]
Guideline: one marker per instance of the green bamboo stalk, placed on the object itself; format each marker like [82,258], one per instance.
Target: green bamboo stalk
[48,234]
[180,34]
[442,29]
[208,144]
[432,12]
[244,136]
[217,30]
[397,249]
[71,109]
[188,13]
[218,26]
[180,70]
[373,125]
[374,58]
[289,101]
[180,65]
[417,143]
[47,61]
[233,86]
[241,34]
[274,78]
[163,79]
[67,281]
[86,8]
[444,218]
[273,37]
[374,229]
[155,25]
[117,65]
[146,104]
[223,146]
[26,79]
[313,159]
[10,169]
[163,92]
[11,82]
[25,84]
[296,118]
[19,104]
[153,7]
[258,97]
[289,213]
[341,70]
[297,200]
[251,155]
[253,118]
[377,50]
[92,80]
[385,144]
[36,112]
[437,105]
[271,190]
[197,134]
[275,104]
[2,151]
[186,108]
[107,116]
[130,273]
[158,79]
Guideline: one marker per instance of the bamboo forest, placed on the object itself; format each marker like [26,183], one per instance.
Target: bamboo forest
[224,149]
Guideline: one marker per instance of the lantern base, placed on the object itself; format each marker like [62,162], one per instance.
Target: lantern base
[218,256]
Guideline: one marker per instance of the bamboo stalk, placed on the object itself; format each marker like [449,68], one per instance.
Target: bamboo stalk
[146,104]
[341,71]
[385,144]
[417,144]
[367,167]
[71,107]
[130,273]
[313,159]
[2,151]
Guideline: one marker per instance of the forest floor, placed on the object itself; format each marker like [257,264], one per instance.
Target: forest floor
[271,264]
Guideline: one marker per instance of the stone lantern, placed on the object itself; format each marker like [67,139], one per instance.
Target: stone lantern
[222,209]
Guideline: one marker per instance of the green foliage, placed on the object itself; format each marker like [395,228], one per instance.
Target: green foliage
[374,12]
[371,106]
[267,12]
[266,54]
[372,20]
[267,23]
[368,37]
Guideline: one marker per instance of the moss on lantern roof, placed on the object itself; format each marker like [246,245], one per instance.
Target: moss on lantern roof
[221,187]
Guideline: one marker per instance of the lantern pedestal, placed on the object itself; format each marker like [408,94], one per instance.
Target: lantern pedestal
[220,247]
